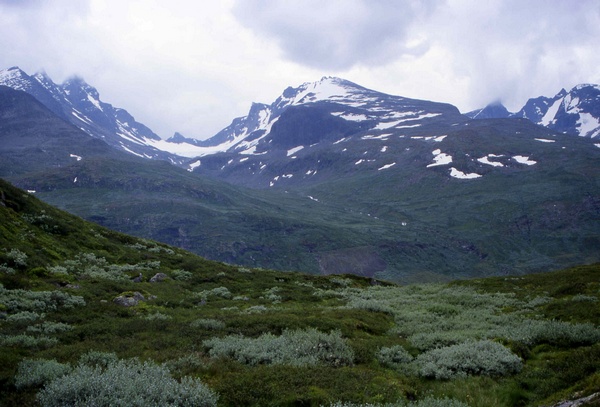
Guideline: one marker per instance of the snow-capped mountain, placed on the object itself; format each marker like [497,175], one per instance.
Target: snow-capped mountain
[348,105]
[79,103]
[575,112]
[335,129]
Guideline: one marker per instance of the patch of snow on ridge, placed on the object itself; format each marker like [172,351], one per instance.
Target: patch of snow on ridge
[351,116]
[521,159]
[387,125]
[461,175]
[440,138]
[385,167]
[383,137]
[551,113]
[294,150]
[75,156]
[485,160]
[194,165]
[94,102]
[440,158]
[597,145]
[586,124]
[384,149]
[544,140]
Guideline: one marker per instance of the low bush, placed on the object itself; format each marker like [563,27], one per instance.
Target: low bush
[297,348]
[125,383]
[208,324]
[39,372]
[426,402]
[395,357]
[468,358]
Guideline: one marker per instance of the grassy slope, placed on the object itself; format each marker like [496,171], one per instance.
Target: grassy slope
[161,329]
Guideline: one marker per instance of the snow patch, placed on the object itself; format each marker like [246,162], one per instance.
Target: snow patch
[461,175]
[383,137]
[440,158]
[586,124]
[386,166]
[439,138]
[294,150]
[544,140]
[75,156]
[486,160]
[384,149]
[313,199]
[194,165]
[521,159]
[351,116]
[551,113]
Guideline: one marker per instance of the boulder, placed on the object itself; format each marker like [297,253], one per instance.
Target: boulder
[158,277]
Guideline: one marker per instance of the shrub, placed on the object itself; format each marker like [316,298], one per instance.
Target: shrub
[18,257]
[531,332]
[215,292]
[297,348]
[98,359]
[468,358]
[181,275]
[27,341]
[125,382]
[209,324]
[49,327]
[38,372]
[426,402]
[395,357]
[24,317]
[157,316]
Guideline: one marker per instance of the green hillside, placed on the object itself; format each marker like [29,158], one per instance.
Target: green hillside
[75,329]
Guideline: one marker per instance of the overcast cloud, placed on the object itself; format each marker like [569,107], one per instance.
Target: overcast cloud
[193,66]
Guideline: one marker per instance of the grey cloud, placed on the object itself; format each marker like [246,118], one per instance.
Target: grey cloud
[337,34]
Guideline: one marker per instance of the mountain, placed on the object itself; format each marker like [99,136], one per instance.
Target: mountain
[90,316]
[345,180]
[79,104]
[322,117]
[494,110]
[576,112]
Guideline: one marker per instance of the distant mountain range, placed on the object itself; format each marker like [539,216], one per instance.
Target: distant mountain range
[576,112]
[329,178]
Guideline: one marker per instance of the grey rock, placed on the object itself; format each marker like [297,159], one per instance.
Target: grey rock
[158,277]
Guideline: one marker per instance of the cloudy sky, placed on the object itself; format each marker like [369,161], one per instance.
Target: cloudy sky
[192,66]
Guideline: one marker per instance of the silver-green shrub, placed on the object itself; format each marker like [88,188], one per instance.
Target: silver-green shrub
[298,348]
[181,275]
[208,324]
[98,359]
[49,327]
[531,332]
[426,402]
[27,341]
[395,357]
[39,372]
[468,358]
[24,317]
[19,300]
[125,383]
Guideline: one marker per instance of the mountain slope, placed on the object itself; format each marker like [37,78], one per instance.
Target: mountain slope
[79,103]
[89,315]
[349,180]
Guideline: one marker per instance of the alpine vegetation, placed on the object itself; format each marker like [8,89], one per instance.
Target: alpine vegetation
[125,382]
[296,348]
